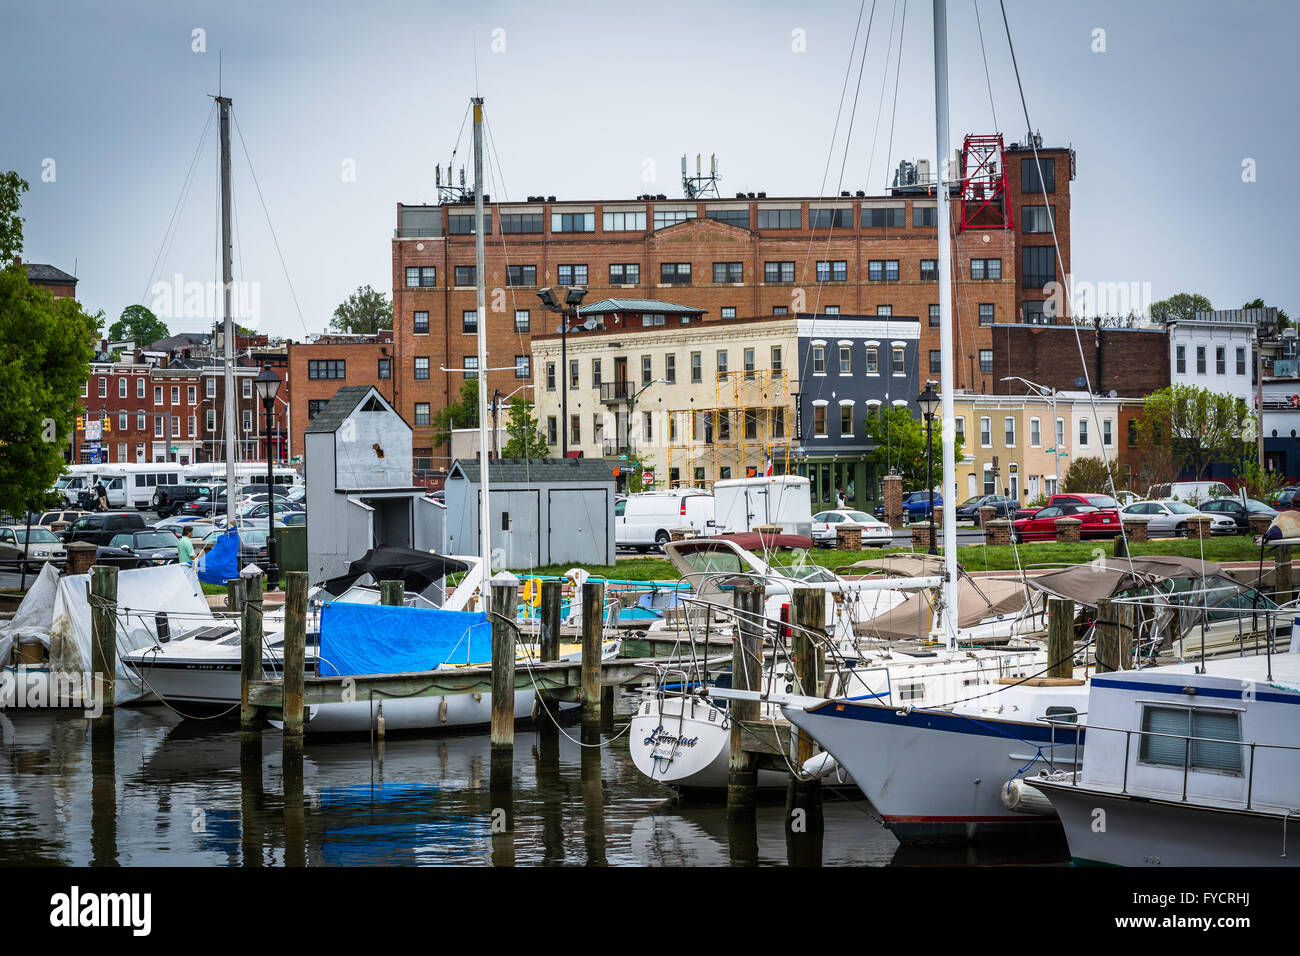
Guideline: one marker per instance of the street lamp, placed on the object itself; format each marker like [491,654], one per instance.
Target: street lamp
[1049,393]
[574,298]
[928,401]
[631,409]
[268,385]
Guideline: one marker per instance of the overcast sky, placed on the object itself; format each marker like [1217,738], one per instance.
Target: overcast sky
[585,100]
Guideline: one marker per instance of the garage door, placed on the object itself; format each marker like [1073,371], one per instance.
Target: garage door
[579,526]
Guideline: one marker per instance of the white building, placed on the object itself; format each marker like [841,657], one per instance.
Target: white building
[1216,351]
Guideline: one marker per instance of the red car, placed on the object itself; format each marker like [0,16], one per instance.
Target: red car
[1041,526]
[1097,501]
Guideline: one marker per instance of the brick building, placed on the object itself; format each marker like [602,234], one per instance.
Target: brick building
[1128,361]
[731,258]
[53,280]
[319,368]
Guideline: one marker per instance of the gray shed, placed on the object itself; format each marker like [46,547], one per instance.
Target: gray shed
[544,510]
[359,486]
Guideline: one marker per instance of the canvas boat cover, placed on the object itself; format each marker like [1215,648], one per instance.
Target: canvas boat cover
[903,565]
[749,541]
[415,569]
[31,622]
[220,563]
[1285,527]
[1107,577]
[380,639]
[976,600]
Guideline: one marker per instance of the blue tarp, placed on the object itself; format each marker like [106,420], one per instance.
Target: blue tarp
[220,562]
[378,639]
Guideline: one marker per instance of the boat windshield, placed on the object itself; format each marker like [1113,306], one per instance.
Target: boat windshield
[715,561]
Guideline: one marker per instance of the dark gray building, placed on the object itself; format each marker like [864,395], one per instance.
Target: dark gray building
[848,365]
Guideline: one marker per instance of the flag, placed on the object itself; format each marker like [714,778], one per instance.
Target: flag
[767,470]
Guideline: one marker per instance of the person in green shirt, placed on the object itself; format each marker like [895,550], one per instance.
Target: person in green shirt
[185,547]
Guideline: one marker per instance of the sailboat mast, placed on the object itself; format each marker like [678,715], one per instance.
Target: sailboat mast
[227,280]
[947,376]
[485,513]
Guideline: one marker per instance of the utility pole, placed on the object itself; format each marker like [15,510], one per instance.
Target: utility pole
[227,280]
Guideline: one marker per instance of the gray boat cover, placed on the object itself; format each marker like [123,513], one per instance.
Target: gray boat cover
[1107,577]
[976,600]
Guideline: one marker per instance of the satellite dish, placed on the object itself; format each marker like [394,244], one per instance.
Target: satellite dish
[589,324]
[1113,394]
[559,329]
[1080,382]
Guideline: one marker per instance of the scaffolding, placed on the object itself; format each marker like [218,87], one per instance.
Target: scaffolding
[748,426]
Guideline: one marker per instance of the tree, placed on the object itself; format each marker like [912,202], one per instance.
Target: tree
[900,444]
[526,439]
[12,186]
[1087,476]
[1195,425]
[139,325]
[461,414]
[364,312]
[1181,305]
[45,354]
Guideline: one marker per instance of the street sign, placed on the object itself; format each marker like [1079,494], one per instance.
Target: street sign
[647,477]
[174,449]
[92,430]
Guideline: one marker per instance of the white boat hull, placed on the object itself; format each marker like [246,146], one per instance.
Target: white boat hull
[686,743]
[414,713]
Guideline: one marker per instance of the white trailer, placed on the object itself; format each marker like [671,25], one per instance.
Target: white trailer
[745,504]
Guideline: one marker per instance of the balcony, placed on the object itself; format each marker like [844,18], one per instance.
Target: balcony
[615,393]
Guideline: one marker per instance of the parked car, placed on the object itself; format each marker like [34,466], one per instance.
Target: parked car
[1237,511]
[250,504]
[1103,502]
[825,523]
[1192,492]
[57,521]
[203,507]
[139,549]
[19,547]
[167,499]
[969,510]
[1284,500]
[1041,526]
[100,527]
[177,525]
[1170,517]
[282,509]
[917,505]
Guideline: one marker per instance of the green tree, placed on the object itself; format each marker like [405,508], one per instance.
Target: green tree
[139,325]
[12,186]
[1181,305]
[364,312]
[1088,476]
[900,444]
[460,414]
[526,439]
[45,353]
[1195,426]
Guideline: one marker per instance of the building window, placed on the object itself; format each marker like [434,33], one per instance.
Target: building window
[780,310]
[986,361]
[466,275]
[899,360]
[248,423]
[833,270]
[846,359]
[158,394]
[780,219]
[1035,433]
[1132,433]
[521,275]
[247,391]
[647,426]
[210,416]
[722,362]
[960,429]
[571,274]
[650,319]
[140,422]
[524,222]
[1010,428]
[670,368]
[469,320]
[327,368]
[551,435]
[934,316]
[421,367]
[929,270]
[936,360]
[1083,431]
[778,272]
[697,366]
[159,424]
[873,360]
[385,368]
[523,320]
[663,218]
[470,365]
[1180,359]
[595,373]
[986,268]
[647,370]
[990,488]
[830,218]
[573,222]
[882,270]
[925,216]
[732,217]
[728,312]
[1241,361]
[139,387]
[675,273]
[728,272]
[417,276]
[846,421]
[1038,266]
[819,359]
[463,225]
[103,388]
[523,366]
[1060,435]
[1037,175]
[625,273]
[1036,219]
[819,421]
[1039,313]
[420,323]
[831,310]
[121,388]
[121,421]
[623,221]
[778,422]
[210,389]
[876,218]
[776,361]
[1200,360]
[1105,432]
[575,429]
[550,376]
[191,395]
[421,413]
[986,313]
[986,432]
[1220,360]
[885,311]
[574,377]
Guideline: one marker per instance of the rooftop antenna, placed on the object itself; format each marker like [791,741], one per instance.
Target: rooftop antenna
[701,185]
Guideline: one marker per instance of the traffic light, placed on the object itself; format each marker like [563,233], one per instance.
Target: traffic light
[80,425]
[108,425]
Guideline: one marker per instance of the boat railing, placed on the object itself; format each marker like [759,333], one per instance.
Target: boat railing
[1080,728]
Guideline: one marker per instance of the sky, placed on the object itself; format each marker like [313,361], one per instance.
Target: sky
[1183,116]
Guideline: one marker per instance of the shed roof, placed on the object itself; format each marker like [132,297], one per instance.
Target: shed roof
[536,470]
[338,408]
[638,305]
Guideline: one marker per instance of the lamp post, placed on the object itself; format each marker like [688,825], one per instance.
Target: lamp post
[1049,393]
[268,385]
[631,410]
[928,402]
[573,297]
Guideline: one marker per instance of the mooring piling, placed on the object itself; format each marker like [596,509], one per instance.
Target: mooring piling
[250,647]
[746,674]
[505,591]
[103,634]
[808,633]
[1060,638]
[1106,653]
[593,632]
[295,650]
[549,639]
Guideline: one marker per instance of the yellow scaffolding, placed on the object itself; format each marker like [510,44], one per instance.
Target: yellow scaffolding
[751,418]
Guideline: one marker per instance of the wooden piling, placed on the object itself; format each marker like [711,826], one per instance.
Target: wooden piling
[250,648]
[234,594]
[505,597]
[1126,631]
[295,646]
[807,619]
[593,630]
[1282,573]
[1106,650]
[746,674]
[552,595]
[392,593]
[103,634]
[1060,638]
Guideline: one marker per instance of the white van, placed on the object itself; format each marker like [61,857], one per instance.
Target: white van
[744,504]
[647,519]
[138,481]
[74,480]
[1190,492]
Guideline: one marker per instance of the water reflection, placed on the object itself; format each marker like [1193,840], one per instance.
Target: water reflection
[146,788]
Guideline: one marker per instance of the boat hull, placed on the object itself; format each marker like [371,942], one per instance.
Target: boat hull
[935,776]
[453,711]
[686,743]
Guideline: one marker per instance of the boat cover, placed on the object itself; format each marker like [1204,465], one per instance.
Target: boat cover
[380,639]
[988,597]
[416,569]
[907,565]
[1107,577]
[220,563]
[1285,528]
[31,622]
[749,541]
